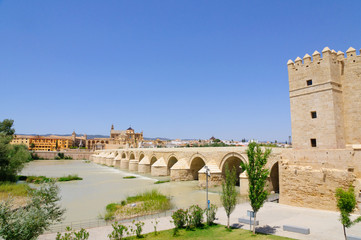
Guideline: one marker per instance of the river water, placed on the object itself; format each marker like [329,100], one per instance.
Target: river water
[86,199]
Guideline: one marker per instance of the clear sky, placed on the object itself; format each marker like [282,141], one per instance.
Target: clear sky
[177,69]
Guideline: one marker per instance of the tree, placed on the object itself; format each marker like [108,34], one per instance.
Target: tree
[27,223]
[32,146]
[12,157]
[346,203]
[6,127]
[257,177]
[229,192]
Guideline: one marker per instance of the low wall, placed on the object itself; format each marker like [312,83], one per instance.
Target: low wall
[76,155]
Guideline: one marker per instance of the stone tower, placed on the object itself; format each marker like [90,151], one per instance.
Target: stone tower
[73,137]
[325,99]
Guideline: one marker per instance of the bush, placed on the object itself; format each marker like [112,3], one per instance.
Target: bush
[139,229]
[81,235]
[211,214]
[179,218]
[118,231]
[31,221]
[196,215]
[35,156]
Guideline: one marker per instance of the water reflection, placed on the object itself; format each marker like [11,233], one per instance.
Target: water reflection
[101,185]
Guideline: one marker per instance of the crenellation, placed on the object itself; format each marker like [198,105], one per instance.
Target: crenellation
[307,59]
[351,52]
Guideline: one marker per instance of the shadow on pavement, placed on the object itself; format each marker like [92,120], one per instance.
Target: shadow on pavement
[237,225]
[267,229]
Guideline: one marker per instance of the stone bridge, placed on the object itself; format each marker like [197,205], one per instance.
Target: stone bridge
[183,164]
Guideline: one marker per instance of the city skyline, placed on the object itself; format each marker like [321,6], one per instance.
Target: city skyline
[171,69]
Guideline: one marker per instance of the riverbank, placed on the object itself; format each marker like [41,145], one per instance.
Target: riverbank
[19,193]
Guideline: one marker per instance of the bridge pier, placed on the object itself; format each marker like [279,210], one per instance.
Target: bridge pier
[124,164]
[181,175]
[144,165]
[215,177]
[181,171]
[117,160]
[243,183]
[159,168]
[133,165]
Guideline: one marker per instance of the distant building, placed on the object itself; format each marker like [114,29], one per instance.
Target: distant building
[49,143]
[118,139]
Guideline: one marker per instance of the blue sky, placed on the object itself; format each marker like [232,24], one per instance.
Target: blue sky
[177,69]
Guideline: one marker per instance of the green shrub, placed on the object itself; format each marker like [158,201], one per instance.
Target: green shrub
[81,235]
[179,218]
[196,215]
[211,214]
[118,231]
[112,207]
[138,229]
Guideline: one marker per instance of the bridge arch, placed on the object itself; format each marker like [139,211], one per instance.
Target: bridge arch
[172,159]
[141,156]
[153,159]
[273,180]
[232,160]
[197,162]
[124,155]
[131,156]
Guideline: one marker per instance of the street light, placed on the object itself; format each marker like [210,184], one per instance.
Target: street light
[207,175]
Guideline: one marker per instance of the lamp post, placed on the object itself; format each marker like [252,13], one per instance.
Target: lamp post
[207,175]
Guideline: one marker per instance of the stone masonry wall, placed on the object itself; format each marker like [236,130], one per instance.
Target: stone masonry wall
[76,155]
[305,186]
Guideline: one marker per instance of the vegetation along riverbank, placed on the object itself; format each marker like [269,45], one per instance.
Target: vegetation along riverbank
[146,203]
[43,179]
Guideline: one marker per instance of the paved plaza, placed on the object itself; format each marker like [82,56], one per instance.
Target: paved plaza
[324,225]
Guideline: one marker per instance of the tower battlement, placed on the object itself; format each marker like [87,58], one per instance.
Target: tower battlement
[325,99]
[327,55]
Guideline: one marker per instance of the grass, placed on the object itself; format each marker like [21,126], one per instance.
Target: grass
[36,179]
[20,190]
[211,232]
[129,177]
[69,178]
[43,179]
[160,181]
[146,203]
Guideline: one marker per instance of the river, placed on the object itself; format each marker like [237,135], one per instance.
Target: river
[86,199]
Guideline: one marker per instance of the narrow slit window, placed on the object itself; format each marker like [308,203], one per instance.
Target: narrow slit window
[314,114]
[309,82]
[313,142]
